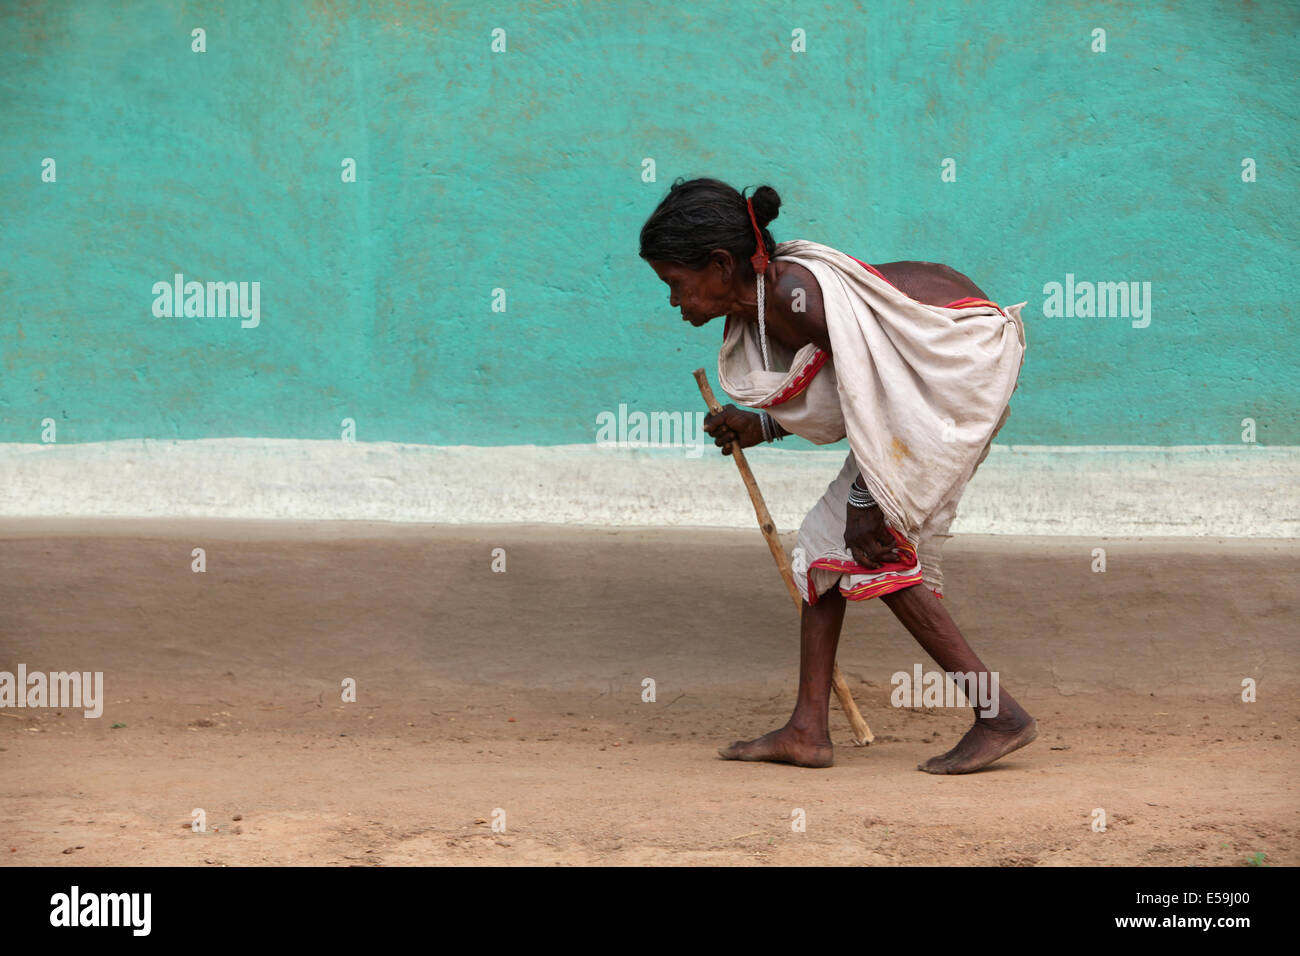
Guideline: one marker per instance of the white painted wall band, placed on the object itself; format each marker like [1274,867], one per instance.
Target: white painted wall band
[1220,490]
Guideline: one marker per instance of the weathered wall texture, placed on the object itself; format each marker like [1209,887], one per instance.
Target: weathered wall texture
[522,170]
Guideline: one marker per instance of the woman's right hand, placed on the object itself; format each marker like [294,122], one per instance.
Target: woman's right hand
[733,424]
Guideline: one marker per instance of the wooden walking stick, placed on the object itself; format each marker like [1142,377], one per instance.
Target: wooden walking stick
[862,734]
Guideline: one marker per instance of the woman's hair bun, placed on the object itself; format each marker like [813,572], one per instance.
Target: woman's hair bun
[700,216]
[767,205]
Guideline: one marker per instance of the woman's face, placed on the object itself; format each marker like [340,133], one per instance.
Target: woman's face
[700,294]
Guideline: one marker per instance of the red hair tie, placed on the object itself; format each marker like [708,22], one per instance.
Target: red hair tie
[759,259]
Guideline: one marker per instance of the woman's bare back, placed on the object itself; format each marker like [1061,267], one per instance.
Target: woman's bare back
[930,282]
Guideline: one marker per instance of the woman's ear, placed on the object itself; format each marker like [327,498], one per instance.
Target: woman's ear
[724,262]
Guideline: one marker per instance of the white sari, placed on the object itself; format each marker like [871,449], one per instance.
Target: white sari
[919,391]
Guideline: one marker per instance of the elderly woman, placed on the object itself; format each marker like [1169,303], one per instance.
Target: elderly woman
[910,362]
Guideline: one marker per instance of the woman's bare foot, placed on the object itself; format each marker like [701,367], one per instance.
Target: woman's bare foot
[983,744]
[786,745]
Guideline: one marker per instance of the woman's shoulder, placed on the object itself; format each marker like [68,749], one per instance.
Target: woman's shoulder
[791,280]
[797,295]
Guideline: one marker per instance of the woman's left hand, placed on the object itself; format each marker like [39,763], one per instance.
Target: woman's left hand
[868,539]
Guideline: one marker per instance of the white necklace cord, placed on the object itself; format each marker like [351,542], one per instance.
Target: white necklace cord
[762,330]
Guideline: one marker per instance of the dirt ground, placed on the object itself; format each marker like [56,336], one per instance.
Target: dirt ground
[521,691]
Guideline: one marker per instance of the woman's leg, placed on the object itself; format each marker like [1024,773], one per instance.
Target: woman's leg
[928,620]
[805,739]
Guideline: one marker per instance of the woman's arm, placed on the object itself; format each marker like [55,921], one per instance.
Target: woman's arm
[796,306]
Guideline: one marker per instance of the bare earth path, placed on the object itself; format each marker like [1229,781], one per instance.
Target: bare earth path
[521,691]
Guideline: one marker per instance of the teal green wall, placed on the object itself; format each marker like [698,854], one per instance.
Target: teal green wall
[522,170]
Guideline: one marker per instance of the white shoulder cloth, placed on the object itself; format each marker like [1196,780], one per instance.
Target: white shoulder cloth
[919,388]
